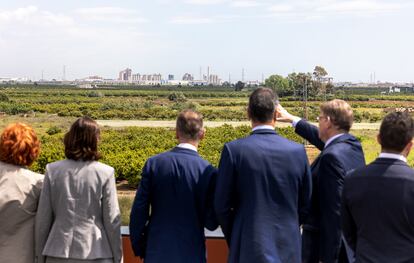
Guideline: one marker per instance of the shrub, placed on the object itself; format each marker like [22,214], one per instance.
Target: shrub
[53,130]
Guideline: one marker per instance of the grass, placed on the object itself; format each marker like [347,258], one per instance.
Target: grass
[125,205]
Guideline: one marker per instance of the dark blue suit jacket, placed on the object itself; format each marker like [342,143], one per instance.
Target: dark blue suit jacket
[328,173]
[263,191]
[378,212]
[177,188]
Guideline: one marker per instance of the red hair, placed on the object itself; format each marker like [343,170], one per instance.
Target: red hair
[19,145]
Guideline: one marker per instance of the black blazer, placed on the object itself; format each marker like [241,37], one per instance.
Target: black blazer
[328,172]
[378,212]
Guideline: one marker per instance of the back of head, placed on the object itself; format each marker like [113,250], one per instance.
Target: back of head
[396,131]
[19,145]
[262,105]
[81,142]
[339,112]
[189,125]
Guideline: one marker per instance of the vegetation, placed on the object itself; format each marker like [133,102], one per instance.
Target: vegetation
[127,149]
[157,104]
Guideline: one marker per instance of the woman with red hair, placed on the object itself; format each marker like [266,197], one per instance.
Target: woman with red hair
[20,191]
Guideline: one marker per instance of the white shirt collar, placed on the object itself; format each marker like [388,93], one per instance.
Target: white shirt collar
[393,156]
[332,138]
[187,146]
[263,127]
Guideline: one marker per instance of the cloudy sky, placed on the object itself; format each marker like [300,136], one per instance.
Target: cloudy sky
[352,39]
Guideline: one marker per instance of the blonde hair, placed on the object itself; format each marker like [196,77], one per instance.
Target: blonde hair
[339,112]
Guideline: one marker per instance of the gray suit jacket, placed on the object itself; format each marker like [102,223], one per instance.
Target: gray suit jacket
[20,191]
[78,215]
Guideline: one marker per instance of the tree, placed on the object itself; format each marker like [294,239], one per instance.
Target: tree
[239,86]
[279,84]
[177,97]
[319,72]
[321,82]
[301,81]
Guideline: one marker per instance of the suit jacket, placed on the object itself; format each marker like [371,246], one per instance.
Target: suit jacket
[263,192]
[378,212]
[177,187]
[328,173]
[78,215]
[20,192]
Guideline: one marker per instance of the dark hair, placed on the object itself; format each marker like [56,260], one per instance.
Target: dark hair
[81,142]
[339,112]
[262,105]
[396,131]
[189,124]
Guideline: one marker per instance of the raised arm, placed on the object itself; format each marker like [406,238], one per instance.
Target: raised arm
[302,127]
[310,133]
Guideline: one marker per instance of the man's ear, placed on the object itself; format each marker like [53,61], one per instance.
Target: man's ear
[248,114]
[378,139]
[407,148]
[275,115]
[177,135]
[202,134]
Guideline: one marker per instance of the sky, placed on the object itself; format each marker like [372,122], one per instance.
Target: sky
[352,39]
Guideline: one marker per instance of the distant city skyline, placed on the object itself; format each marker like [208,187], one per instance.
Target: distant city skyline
[354,40]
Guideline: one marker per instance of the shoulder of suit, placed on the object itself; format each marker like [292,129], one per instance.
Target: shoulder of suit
[64,162]
[366,170]
[278,137]
[103,167]
[71,163]
[35,176]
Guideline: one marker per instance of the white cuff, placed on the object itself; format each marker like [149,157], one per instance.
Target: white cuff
[295,121]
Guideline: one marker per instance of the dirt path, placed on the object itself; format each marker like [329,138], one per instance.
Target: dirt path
[211,124]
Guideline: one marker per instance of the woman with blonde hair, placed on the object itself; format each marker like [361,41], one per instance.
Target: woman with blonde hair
[78,218]
[20,191]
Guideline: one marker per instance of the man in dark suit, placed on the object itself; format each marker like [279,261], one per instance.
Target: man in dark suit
[378,199]
[177,188]
[263,190]
[322,239]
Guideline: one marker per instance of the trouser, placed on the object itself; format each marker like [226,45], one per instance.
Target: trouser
[310,249]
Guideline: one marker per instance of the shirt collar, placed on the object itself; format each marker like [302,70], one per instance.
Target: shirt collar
[393,156]
[263,127]
[187,146]
[332,138]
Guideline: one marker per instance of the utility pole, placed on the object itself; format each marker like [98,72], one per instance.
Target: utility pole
[305,97]
[305,102]
[242,74]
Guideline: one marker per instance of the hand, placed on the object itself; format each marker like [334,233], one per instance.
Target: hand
[284,116]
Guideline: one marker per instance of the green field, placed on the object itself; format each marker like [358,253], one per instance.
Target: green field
[51,110]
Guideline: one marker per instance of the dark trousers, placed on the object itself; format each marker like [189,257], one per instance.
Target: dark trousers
[310,246]
[310,249]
